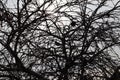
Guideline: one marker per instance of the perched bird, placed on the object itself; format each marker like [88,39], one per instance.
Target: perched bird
[73,23]
[108,15]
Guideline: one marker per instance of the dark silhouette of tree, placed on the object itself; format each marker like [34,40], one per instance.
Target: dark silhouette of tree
[59,39]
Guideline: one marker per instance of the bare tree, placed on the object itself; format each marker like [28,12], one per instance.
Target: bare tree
[59,39]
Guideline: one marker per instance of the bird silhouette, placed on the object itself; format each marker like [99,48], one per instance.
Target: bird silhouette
[73,23]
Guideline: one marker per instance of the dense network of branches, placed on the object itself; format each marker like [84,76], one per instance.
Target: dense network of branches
[59,39]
